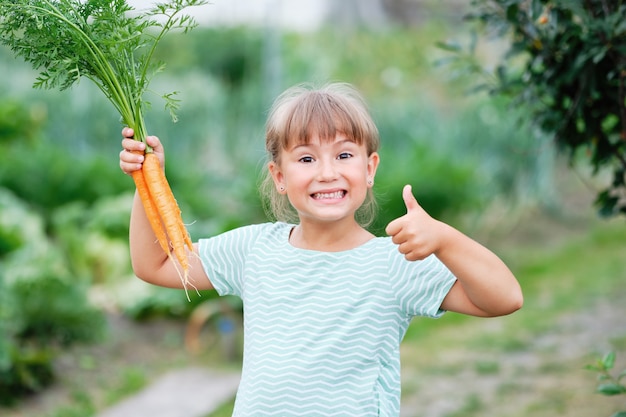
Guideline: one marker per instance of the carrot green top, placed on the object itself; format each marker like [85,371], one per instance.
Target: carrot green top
[96,39]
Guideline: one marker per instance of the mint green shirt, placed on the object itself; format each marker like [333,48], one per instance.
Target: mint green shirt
[322,330]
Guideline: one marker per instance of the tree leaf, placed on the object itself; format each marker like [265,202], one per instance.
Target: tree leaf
[511,12]
[567,74]
[608,361]
[592,367]
[611,389]
[449,46]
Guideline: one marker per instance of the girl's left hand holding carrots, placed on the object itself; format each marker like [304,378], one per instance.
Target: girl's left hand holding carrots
[132,156]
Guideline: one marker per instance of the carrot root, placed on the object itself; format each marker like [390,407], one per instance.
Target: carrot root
[165,216]
[150,209]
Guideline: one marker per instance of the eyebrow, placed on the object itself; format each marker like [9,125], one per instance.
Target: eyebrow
[339,143]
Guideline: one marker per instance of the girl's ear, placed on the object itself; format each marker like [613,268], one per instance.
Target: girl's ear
[372,165]
[277,176]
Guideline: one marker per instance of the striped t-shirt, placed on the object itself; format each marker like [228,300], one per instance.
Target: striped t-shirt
[322,330]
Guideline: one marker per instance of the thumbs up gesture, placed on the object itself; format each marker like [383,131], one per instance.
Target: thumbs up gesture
[416,233]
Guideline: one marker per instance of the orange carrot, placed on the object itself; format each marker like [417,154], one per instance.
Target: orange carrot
[169,213]
[150,208]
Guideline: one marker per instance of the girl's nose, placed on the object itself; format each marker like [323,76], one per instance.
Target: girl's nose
[327,170]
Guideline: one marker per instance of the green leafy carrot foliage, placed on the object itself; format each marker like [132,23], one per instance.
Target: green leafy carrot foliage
[106,41]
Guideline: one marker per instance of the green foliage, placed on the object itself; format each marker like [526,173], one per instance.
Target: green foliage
[94,238]
[64,319]
[42,306]
[453,190]
[162,302]
[96,39]
[609,384]
[566,63]
[81,201]
[235,56]
[49,177]
[30,370]
[17,122]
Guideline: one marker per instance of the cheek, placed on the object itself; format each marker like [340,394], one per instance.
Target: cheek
[294,175]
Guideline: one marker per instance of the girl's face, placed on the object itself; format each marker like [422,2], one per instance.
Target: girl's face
[325,181]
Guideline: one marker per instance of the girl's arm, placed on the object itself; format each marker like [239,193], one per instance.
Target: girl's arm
[485,286]
[149,261]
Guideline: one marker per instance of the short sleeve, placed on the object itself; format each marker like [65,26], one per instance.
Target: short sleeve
[223,258]
[420,286]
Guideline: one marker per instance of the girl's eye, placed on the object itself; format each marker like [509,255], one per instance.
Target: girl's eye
[344,155]
[306,159]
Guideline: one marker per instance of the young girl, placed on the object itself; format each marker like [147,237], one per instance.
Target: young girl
[326,303]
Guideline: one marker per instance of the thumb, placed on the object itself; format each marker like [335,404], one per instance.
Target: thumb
[409,200]
[153,141]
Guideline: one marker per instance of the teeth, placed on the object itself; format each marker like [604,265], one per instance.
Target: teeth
[322,196]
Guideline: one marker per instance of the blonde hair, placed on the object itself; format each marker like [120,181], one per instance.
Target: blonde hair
[303,112]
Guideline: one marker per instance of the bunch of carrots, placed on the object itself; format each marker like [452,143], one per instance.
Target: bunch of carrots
[102,41]
[163,213]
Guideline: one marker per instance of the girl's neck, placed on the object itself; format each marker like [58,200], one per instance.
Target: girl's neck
[328,237]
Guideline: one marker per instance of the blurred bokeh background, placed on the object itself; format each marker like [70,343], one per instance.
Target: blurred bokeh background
[78,332]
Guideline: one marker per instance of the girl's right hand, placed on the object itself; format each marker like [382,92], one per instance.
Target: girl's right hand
[132,155]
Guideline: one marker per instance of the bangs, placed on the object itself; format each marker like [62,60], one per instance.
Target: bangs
[318,115]
[300,114]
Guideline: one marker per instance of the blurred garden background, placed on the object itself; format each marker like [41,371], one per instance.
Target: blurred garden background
[78,332]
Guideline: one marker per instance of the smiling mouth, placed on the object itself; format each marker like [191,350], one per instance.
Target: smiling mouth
[329,196]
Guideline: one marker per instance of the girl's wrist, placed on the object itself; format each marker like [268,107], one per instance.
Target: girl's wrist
[447,236]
